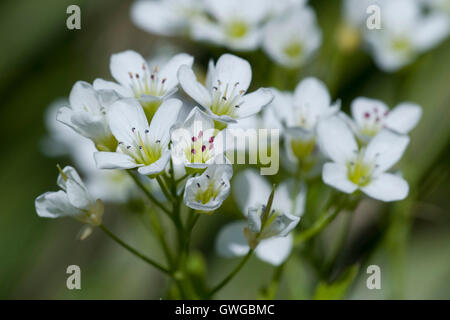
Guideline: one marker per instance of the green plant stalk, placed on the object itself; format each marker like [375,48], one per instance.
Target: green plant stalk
[231,275]
[148,194]
[135,252]
[156,224]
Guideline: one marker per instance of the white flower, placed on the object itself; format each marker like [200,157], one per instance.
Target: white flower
[110,185]
[292,39]
[370,116]
[236,24]
[73,200]
[136,80]
[206,193]
[300,113]
[87,116]
[140,145]
[279,7]
[364,169]
[275,243]
[196,143]
[166,17]
[406,32]
[224,96]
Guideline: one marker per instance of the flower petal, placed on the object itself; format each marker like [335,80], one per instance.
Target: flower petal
[336,175]
[192,87]
[126,62]
[313,94]
[164,118]
[157,17]
[387,187]
[250,189]
[231,69]
[84,96]
[290,196]
[404,117]
[157,167]
[78,195]
[253,102]
[275,250]
[385,150]
[336,140]
[361,107]
[231,241]
[123,116]
[114,160]
[70,173]
[55,205]
[170,69]
[123,91]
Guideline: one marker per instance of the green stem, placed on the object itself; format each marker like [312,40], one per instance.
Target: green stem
[272,288]
[147,193]
[156,224]
[134,251]
[164,189]
[318,226]
[231,275]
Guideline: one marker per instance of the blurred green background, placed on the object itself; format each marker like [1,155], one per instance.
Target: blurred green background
[41,59]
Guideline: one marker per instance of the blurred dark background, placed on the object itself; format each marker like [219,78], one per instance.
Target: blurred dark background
[41,59]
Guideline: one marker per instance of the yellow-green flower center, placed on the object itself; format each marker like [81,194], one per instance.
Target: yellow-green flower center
[359,172]
[294,50]
[237,29]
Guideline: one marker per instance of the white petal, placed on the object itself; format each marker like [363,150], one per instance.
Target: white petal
[91,126]
[71,173]
[281,226]
[253,102]
[290,196]
[431,31]
[385,150]
[231,241]
[157,167]
[254,219]
[250,189]
[123,115]
[83,96]
[192,87]
[78,195]
[126,62]
[404,117]
[313,94]
[336,140]
[100,84]
[362,106]
[275,250]
[387,187]
[231,69]
[164,118]
[170,70]
[114,160]
[336,175]
[157,17]
[55,205]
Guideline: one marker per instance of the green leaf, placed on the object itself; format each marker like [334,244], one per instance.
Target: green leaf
[338,288]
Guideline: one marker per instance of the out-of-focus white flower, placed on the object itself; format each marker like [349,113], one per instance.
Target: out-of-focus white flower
[109,185]
[279,7]
[275,241]
[364,169]
[406,32]
[87,116]
[206,192]
[73,200]
[136,80]
[301,112]
[140,145]
[195,142]
[224,96]
[370,116]
[235,24]
[293,38]
[166,17]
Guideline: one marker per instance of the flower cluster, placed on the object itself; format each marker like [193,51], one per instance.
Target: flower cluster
[407,29]
[161,129]
[287,30]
